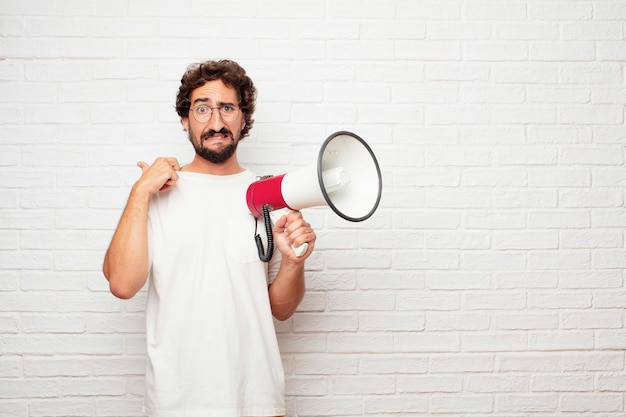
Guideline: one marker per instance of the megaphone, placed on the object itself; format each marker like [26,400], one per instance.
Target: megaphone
[346,178]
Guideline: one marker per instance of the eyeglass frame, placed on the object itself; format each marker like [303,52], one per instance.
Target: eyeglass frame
[222,106]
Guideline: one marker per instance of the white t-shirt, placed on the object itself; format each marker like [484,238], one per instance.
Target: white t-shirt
[212,348]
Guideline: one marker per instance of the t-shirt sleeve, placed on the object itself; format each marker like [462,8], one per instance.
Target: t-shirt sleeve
[274,265]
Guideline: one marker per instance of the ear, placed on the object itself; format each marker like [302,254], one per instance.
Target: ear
[185,122]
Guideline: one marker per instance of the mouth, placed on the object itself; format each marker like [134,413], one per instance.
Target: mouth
[217,138]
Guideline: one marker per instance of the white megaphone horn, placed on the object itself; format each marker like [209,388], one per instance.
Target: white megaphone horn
[346,178]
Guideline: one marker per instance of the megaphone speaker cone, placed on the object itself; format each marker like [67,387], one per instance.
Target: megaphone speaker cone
[349,176]
[346,178]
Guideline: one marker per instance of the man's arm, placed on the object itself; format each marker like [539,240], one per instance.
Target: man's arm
[126,261]
[288,288]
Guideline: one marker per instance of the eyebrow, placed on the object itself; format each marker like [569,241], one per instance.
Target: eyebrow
[206,100]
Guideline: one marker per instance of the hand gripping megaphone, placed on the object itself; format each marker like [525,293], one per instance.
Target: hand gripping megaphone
[345,178]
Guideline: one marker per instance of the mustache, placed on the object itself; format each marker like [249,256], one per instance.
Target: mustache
[211,132]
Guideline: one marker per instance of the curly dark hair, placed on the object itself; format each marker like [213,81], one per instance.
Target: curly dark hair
[231,74]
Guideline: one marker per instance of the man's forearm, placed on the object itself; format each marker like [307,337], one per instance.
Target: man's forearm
[287,290]
[126,261]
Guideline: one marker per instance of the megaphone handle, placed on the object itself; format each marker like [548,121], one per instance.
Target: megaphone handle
[300,250]
[277,214]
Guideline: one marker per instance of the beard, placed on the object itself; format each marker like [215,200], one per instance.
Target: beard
[214,156]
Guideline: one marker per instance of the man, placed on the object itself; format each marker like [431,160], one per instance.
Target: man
[212,349]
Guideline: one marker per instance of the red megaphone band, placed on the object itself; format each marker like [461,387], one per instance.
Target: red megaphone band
[265,191]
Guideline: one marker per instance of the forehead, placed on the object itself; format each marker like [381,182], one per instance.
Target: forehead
[214,92]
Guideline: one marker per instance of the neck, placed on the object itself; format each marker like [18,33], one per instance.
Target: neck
[202,166]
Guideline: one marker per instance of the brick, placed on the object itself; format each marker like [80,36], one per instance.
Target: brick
[592,31]
[362,343]
[429,384]
[547,95]
[427,50]
[483,51]
[562,51]
[546,403]
[432,260]
[358,385]
[592,402]
[428,301]
[325,364]
[560,300]
[494,11]
[441,71]
[573,259]
[357,300]
[25,260]
[563,340]
[605,319]
[118,407]
[329,406]
[559,134]
[593,361]
[589,199]
[500,301]
[457,281]
[550,383]
[544,362]
[53,324]
[10,367]
[526,240]
[498,384]
[486,260]
[557,177]
[396,404]
[526,279]
[611,51]
[61,407]
[461,403]
[11,71]
[391,322]
[89,386]
[528,31]
[429,10]
[8,280]
[16,408]
[593,279]
[306,386]
[435,342]
[449,30]
[448,321]
[393,364]
[612,382]
[37,367]
[591,74]
[9,324]
[29,388]
[596,115]
[325,322]
[560,11]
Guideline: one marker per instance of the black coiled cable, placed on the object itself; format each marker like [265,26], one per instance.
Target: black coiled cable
[265,256]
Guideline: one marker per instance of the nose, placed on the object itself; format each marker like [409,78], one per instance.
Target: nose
[215,121]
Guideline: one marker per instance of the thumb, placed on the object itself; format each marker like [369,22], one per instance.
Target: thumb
[143,165]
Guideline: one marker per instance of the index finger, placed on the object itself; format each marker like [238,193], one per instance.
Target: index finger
[174,163]
[294,215]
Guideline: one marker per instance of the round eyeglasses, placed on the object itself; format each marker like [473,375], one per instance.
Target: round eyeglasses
[202,112]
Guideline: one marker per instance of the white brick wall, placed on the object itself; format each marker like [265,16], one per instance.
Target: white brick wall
[489,283]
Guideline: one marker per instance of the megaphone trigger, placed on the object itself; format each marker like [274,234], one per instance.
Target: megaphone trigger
[277,214]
